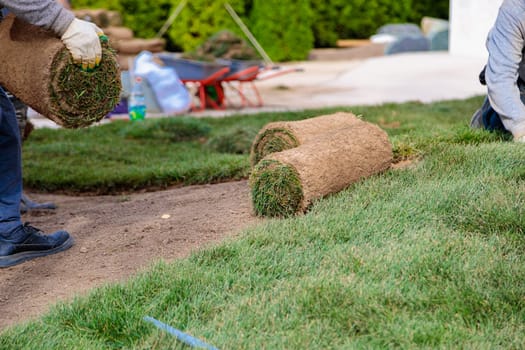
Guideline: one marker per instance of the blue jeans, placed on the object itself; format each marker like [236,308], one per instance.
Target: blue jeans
[10,168]
[486,117]
[490,118]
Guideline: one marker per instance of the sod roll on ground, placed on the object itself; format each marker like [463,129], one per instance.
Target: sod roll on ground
[37,68]
[287,182]
[280,136]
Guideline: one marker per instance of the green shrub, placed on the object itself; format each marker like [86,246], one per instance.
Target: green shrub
[142,17]
[283,28]
[335,19]
[431,8]
[325,24]
[97,4]
[201,19]
[224,44]
[286,29]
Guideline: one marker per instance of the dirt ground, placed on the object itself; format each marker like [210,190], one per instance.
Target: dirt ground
[116,236]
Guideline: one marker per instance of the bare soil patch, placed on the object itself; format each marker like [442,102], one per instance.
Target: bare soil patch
[117,236]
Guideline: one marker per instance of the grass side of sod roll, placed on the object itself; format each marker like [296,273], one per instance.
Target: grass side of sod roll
[276,189]
[270,141]
[80,98]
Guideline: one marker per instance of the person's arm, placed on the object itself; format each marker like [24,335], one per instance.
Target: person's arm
[43,13]
[65,3]
[80,37]
[505,44]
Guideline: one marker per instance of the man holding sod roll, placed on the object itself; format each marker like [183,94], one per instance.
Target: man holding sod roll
[18,241]
[21,111]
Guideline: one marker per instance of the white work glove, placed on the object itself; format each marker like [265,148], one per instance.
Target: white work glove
[82,40]
[520,139]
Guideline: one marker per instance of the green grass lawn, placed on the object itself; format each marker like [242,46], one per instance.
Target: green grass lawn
[428,256]
[125,156]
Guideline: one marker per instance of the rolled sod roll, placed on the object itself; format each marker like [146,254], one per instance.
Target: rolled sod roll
[280,136]
[287,182]
[118,33]
[38,69]
[135,46]
[101,17]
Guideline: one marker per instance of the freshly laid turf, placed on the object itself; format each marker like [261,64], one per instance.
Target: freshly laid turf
[124,156]
[236,141]
[428,256]
[166,130]
[110,158]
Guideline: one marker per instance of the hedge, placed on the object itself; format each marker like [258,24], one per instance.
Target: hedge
[283,28]
[201,19]
[334,19]
[286,29]
[141,16]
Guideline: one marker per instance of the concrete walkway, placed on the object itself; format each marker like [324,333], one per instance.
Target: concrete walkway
[424,77]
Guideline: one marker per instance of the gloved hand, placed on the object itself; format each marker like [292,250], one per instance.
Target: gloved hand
[520,139]
[82,40]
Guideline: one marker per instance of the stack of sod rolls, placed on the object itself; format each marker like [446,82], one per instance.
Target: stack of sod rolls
[103,18]
[313,158]
[38,69]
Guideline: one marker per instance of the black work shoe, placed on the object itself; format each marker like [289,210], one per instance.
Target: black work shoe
[29,243]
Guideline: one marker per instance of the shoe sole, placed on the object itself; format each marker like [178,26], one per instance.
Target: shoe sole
[15,259]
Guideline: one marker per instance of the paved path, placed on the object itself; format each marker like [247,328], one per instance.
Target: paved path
[424,77]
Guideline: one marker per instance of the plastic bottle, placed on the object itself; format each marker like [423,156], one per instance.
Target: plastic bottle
[137,101]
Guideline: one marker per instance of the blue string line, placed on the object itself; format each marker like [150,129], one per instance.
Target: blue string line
[185,338]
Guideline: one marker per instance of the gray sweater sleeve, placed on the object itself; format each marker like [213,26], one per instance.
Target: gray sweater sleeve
[44,13]
[505,44]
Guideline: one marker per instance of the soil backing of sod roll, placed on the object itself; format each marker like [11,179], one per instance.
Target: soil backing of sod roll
[280,136]
[38,69]
[287,182]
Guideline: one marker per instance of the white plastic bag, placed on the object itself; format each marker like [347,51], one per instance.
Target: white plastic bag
[172,96]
